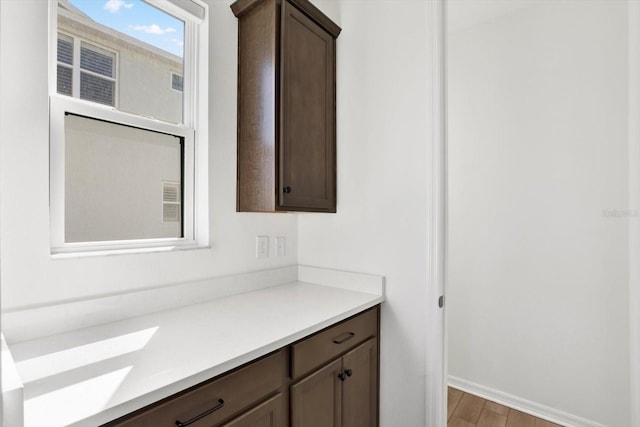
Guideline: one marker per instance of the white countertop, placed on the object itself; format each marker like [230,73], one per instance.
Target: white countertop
[90,376]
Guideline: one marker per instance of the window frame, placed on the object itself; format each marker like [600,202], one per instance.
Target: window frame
[193,130]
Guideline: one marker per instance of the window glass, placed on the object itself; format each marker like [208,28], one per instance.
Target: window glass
[64,80]
[65,49]
[65,64]
[176,82]
[171,202]
[119,53]
[96,89]
[97,60]
[108,196]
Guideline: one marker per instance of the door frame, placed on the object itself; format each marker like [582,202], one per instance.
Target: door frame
[436,363]
[634,206]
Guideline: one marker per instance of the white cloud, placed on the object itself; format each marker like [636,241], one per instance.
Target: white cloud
[178,42]
[114,6]
[152,29]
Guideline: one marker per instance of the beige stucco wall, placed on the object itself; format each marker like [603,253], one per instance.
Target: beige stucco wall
[143,72]
[108,196]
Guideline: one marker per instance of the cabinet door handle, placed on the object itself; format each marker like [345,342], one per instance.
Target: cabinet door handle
[342,376]
[287,189]
[202,415]
[345,338]
[349,372]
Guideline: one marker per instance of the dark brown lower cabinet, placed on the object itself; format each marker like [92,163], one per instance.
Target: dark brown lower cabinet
[360,388]
[269,414]
[344,393]
[248,396]
[316,401]
[328,379]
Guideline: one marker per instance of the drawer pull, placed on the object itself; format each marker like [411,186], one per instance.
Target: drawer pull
[202,415]
[349,372]
[345,338]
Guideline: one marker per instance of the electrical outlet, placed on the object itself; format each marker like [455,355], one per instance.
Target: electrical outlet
[262,246]
[281,245]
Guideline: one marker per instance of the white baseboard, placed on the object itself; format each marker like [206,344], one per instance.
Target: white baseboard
[522,405]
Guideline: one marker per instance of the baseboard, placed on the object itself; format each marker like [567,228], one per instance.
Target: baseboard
[522,405]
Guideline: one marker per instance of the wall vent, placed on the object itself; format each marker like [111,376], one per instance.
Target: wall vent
[171,202]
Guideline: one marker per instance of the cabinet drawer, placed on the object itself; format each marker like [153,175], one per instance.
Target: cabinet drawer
[320,348]
[229,394]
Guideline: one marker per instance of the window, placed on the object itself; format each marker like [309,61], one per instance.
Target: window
[65,65]
[122,201]
[85,73]
[171,202]
[128,153]
[176,82]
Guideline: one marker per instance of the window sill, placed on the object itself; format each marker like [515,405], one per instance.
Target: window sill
[126,251]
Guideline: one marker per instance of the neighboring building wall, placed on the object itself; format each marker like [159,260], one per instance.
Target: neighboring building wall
[108,196]
[538,232]
[143,71]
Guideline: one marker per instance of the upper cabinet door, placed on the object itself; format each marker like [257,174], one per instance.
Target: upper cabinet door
[307,152]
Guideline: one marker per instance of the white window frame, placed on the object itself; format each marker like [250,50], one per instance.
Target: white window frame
[193,130]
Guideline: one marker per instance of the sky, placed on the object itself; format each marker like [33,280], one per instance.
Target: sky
[137,19]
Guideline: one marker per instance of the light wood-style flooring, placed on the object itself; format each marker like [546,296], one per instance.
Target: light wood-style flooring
[467,410]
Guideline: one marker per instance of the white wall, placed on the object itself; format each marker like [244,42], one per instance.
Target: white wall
[29,276]
[538,256]
[381,224]
[384,135]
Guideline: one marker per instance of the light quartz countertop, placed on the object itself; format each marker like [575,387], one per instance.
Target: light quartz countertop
[93,375]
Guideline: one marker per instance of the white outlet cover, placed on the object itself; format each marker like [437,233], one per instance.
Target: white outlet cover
[262,246]
[281,245]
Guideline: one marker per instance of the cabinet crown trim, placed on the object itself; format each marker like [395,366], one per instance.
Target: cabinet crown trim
[240,7]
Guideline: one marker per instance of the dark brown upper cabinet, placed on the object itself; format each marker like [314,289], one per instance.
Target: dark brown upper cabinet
[286,107]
